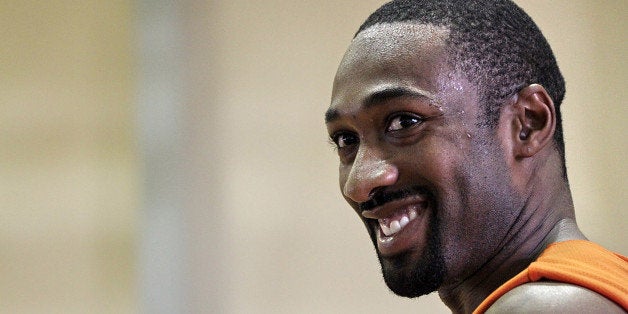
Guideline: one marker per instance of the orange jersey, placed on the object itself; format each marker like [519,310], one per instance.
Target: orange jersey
[576,262]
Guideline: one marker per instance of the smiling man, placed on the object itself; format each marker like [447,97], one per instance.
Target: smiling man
[446,118]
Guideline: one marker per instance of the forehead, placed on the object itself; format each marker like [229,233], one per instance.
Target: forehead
[391,40]
[395,55]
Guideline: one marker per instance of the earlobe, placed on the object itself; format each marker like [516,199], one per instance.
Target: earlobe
[536,117]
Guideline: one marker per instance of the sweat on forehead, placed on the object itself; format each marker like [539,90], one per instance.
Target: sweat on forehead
[386,40]
[403,30]
[384,48]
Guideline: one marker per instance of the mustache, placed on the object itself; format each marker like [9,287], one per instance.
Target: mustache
[382,197]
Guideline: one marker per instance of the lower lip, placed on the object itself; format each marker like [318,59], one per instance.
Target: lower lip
[411,237]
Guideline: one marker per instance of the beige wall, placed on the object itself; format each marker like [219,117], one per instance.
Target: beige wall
[267,230]
[68,177]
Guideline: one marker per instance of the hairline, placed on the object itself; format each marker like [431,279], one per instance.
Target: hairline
[453,57]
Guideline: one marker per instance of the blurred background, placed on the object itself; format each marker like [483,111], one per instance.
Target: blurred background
[171,157]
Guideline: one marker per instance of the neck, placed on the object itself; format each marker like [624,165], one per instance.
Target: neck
[543,221]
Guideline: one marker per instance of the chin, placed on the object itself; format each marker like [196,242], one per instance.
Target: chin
[407,277]
[413,274]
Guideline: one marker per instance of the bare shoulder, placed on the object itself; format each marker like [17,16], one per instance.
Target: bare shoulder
[553,297]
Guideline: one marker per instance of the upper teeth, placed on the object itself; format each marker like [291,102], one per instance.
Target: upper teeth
[396,225]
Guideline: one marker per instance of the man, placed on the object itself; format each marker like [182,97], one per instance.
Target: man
[446,118]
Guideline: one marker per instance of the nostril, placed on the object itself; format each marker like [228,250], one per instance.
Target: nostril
[367,177]
[375,191]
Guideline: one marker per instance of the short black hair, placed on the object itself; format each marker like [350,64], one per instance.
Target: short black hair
[494,43]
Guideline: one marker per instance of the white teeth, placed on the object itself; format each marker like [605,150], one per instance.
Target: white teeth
[385,229]
[413,214]
[396,225]
[403,221]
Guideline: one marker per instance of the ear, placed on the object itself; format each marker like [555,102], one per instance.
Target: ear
[535,121]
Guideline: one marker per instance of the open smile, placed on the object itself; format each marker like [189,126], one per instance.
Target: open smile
[399,225]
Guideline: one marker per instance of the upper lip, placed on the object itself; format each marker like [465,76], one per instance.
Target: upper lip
[389,208]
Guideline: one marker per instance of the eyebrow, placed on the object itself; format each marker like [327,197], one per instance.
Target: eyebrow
[380,97]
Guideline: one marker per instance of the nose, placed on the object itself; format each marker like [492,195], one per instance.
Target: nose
[367,174]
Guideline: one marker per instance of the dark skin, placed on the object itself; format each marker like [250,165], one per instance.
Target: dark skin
[492,198]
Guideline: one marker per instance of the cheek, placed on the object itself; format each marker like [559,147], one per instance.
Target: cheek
[477,212]
[435,161]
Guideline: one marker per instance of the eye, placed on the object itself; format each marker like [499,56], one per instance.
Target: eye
[344,139]
[403,121]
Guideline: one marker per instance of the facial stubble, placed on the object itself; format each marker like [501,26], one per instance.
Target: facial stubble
[411,277]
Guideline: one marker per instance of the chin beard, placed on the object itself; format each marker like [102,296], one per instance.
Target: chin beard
[410,277]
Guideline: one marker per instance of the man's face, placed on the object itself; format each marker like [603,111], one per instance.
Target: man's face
[428,181]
